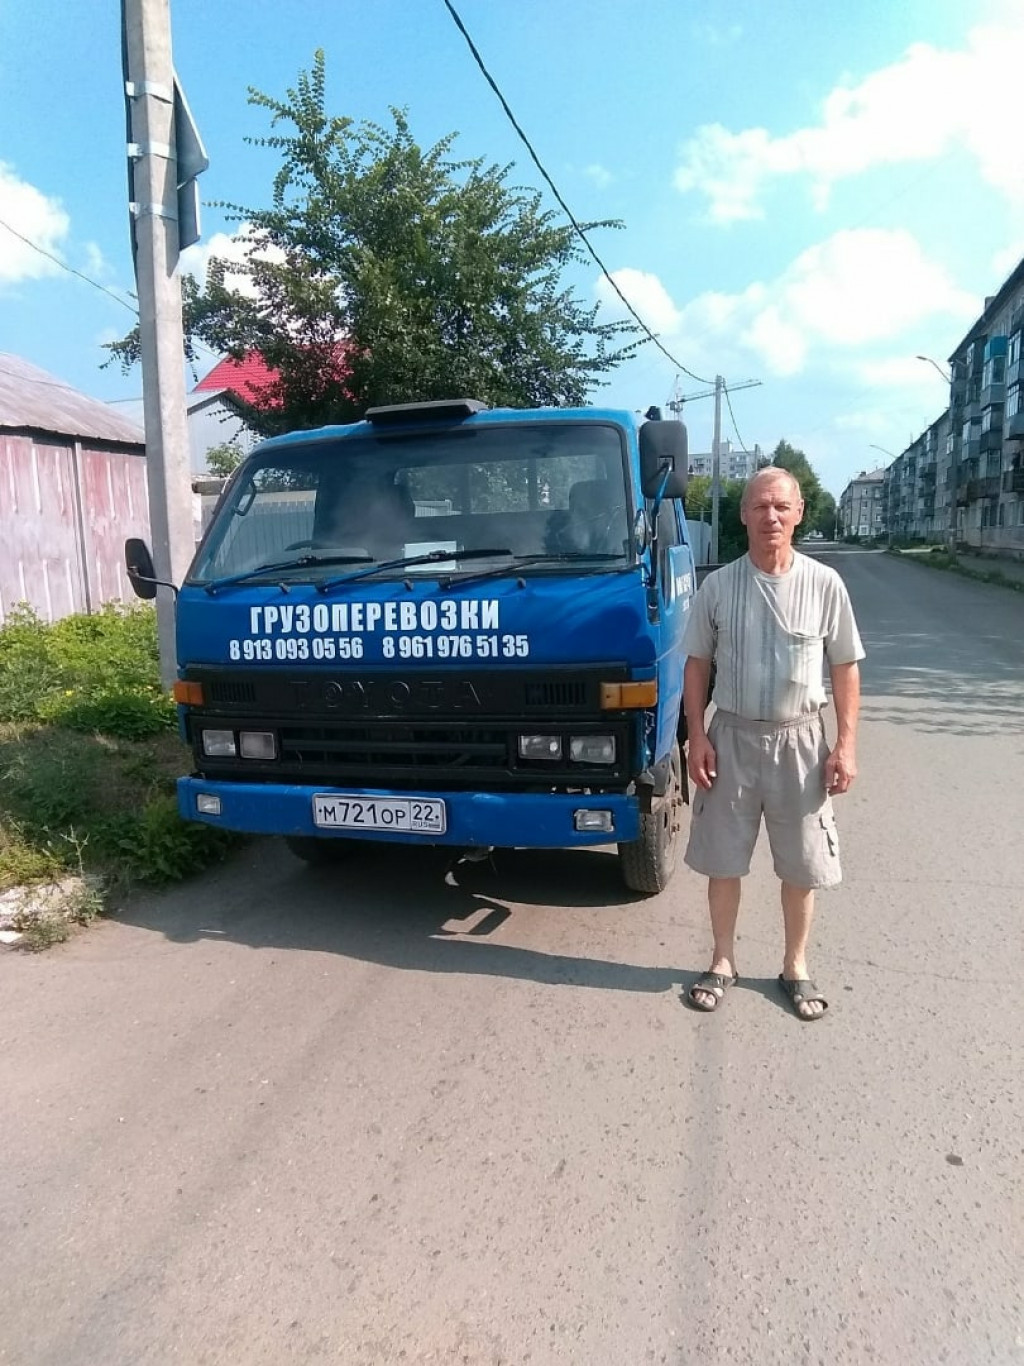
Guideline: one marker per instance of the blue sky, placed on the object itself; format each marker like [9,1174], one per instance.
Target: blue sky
[811,196]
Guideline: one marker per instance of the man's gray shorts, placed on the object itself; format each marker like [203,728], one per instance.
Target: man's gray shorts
[776,769]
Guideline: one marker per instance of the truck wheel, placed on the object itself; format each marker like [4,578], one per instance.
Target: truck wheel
[319,852]
[648,863]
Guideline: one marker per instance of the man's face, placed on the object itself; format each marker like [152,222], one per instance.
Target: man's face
[771,514]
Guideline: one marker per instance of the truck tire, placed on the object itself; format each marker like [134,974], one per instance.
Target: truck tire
[317,852]
[648,863]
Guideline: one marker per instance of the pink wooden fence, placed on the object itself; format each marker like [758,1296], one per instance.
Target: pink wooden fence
[66,508]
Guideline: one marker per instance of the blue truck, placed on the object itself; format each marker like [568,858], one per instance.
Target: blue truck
[443,624]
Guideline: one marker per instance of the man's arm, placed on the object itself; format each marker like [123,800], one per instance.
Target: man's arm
[841,764]
[700,754]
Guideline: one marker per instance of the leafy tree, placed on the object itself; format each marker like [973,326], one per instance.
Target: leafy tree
[819,505]
[732,535]
[825,518]
[787,457]
[383,273]
[222,459]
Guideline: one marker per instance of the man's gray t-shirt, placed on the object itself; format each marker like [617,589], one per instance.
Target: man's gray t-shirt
[769,635]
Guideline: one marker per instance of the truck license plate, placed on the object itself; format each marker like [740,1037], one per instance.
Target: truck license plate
[347,811]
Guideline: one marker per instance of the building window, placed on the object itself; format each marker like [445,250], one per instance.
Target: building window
[1013,349]
[994,371]
[1013,400]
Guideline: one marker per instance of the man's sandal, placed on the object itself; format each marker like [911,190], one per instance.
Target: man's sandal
[714,984]
[801,991]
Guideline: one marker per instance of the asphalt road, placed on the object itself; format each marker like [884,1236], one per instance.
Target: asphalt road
[363,1117]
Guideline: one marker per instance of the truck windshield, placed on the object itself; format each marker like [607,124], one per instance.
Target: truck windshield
[547,493]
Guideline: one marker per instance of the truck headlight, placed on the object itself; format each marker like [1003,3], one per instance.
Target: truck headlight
[219,744]
[592,749]
[540,747]
[257,744]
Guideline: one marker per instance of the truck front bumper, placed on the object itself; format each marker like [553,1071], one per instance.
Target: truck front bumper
[543,820]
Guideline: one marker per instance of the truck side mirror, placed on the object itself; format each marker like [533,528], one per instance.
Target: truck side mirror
[663,451]
[139,563]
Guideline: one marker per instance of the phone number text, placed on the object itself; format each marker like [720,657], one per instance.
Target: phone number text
[286,648]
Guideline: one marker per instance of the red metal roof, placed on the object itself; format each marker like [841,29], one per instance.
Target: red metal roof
[250,378]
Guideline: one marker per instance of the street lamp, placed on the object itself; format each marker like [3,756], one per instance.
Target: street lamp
[935,364]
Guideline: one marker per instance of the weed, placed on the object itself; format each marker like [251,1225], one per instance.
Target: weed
[158,846]
[89,755]
[98,672]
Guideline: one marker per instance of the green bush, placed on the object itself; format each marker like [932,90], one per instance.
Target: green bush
[98,672]
[128,715]
[158,846]
[89,756]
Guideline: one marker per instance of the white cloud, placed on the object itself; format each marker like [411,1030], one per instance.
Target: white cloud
[647,295]
[95,262]
[851,291]
[1006,261]
[227,247]
[922,106]
[718,35]
[599,174]
[904,373]
[35,216]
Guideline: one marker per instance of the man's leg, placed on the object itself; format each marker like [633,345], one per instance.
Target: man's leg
[724,906]
[797,914]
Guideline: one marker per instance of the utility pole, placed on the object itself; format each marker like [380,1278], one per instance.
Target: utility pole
[675,405]
[149,86]
[716,469]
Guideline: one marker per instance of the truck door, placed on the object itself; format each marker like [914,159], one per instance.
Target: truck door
[675,590]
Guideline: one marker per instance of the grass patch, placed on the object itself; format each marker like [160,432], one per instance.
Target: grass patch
[89,756]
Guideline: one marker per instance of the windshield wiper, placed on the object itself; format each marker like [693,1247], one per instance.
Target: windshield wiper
[519,561]
[407,562]
[279,566]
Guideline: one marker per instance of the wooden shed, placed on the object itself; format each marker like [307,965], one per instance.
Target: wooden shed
[72,488]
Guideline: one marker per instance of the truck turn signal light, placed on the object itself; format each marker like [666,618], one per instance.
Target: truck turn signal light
[188,694]
[620,696]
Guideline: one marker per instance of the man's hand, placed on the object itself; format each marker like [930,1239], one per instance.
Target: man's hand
[841,764]
[840,770]
[700,761]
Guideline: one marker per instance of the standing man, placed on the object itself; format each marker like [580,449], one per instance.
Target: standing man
[768,621]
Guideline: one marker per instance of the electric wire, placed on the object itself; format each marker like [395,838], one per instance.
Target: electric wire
[554,190]
[732,415]
[70,269]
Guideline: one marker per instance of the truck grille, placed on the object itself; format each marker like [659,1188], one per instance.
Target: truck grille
[414,730]
[386,751]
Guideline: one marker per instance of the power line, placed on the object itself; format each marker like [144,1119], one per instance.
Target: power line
[196,345]
[732,415]
[554,190]
[70,269]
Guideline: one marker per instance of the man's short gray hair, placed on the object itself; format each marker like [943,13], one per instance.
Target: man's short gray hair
[766,473]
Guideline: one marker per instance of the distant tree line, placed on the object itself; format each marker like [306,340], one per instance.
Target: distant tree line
[819,505]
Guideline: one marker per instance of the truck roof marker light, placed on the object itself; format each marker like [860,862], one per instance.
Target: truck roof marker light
[626,696]
[445,409]
[188,694]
